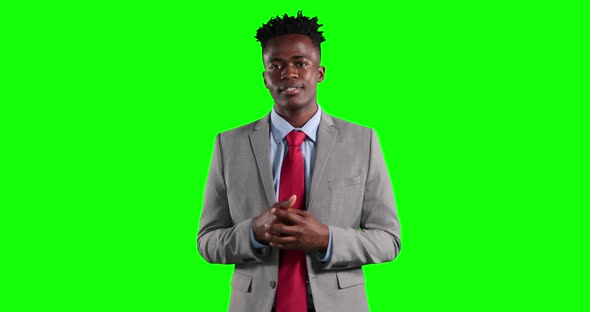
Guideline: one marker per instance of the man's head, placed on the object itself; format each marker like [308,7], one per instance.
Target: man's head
[291,56]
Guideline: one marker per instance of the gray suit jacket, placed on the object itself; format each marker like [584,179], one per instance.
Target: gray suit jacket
[350,192]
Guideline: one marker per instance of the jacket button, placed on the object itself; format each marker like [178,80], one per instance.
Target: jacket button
[273,284]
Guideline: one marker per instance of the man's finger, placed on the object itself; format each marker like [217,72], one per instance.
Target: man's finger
[289,216]
[277,239]
[281,216]
[286,246]
[300,212]
[271,230]
[283,229]
[286,204]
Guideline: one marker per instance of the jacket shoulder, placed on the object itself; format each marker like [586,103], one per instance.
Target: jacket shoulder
[347,126]
[244,130]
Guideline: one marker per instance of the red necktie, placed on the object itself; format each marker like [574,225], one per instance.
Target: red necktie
[291,290]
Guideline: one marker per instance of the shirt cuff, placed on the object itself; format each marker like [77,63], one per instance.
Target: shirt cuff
[255,244]
[327,255]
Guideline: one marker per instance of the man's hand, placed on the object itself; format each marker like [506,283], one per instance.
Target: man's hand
[268,217]
[295,229]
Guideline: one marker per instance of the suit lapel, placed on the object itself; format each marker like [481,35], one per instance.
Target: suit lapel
[259,141]
[325,142]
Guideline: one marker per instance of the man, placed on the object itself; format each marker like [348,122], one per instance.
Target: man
[298,200]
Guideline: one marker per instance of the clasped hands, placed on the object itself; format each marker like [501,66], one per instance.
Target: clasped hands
[284,227]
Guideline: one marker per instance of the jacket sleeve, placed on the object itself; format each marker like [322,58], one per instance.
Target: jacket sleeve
[378,238]
[220,240]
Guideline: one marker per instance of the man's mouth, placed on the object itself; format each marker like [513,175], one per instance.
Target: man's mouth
[290,90]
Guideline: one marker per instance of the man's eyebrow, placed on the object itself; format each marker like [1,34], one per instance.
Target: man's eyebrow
[277,59]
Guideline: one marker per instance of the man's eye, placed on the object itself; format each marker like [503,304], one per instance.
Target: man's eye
[301,64]
[275,66]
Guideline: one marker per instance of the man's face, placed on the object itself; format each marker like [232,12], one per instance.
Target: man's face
[292,71]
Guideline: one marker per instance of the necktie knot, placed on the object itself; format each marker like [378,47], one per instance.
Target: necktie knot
[295,138]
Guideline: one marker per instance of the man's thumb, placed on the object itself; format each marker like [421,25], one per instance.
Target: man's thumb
[286,204]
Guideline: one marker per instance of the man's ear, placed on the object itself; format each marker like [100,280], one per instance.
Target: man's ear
[264,78]
[322,72]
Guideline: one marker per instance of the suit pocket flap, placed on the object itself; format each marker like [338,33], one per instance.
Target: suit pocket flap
[343,182]
[242,282]
[350,278]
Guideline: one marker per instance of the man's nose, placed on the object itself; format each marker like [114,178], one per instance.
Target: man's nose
[290,72]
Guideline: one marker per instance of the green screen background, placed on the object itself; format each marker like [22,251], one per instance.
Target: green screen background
[110,109]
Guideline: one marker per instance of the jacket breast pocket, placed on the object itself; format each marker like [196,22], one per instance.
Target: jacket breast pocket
[346,199]
[336,183]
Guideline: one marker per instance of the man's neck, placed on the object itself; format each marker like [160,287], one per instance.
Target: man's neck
[298,118]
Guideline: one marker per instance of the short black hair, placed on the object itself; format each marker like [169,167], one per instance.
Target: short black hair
[285,25]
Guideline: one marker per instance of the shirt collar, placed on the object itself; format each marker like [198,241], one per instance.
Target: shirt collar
[279,127]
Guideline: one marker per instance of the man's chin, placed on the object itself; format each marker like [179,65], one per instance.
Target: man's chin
[292,105]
